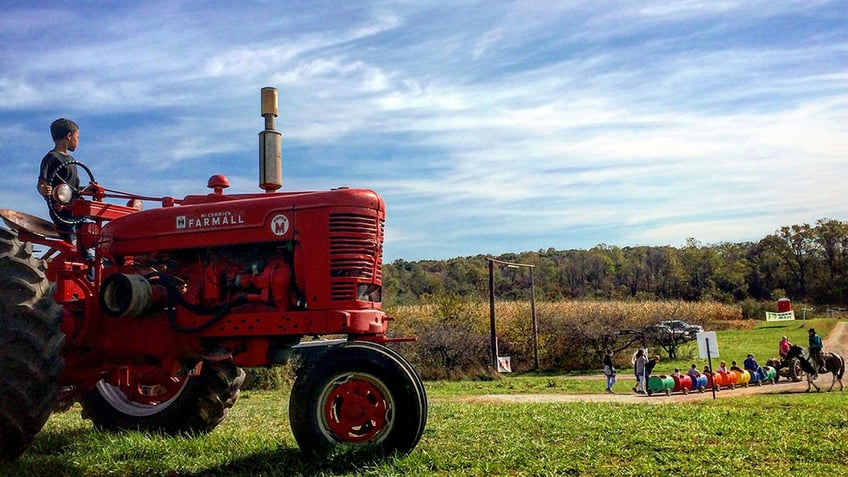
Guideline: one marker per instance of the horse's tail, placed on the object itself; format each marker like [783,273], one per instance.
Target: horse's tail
[841,366]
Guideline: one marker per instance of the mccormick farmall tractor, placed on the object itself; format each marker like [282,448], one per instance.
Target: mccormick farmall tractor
[148,319]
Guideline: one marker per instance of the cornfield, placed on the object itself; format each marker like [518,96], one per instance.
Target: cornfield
[453,334]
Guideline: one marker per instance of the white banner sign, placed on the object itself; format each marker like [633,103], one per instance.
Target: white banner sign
[785,316]
[504,365]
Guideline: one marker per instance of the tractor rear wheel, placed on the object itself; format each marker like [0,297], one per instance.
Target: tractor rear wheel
[148,401]
[358,395]
[30,346]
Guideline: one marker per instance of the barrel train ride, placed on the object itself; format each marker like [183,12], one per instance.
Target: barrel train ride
[667,384]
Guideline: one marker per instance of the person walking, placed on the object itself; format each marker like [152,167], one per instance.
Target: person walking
[609,371]
[783,347]
[649,366]
[639,368]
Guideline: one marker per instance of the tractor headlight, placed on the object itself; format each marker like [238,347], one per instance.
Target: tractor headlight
[63,193]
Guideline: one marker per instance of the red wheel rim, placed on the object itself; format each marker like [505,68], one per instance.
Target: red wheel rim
[355,409]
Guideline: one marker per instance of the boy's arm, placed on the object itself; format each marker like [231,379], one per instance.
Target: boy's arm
[44,172]
[43,187]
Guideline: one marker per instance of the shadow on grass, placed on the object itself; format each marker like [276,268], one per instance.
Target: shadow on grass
[47,456]
[288,461]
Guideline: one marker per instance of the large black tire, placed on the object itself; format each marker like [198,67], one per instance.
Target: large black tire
[194,405]
[30,346]
[421,393]
[361,396]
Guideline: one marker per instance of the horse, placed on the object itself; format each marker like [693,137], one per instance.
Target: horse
[834,363]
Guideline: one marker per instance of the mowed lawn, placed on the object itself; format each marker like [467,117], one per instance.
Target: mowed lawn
[776,434]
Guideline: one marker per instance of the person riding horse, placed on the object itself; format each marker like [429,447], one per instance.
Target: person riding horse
[816,350]
[835,365]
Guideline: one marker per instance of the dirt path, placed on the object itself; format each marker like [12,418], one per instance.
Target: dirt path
[836,342]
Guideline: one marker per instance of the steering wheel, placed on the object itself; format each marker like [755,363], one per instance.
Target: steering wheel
[51,201]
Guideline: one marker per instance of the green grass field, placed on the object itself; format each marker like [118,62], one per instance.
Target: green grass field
[764,435]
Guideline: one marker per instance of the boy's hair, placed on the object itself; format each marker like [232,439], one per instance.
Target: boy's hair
[62,127]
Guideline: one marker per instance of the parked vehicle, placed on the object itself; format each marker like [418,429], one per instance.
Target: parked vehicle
[673,330]
[678,326]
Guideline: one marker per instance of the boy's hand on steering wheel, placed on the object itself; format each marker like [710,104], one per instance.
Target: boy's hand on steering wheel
[44,188]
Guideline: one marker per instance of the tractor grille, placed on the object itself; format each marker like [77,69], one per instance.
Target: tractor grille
[356,249]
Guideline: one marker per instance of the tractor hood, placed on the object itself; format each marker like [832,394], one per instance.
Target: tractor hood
[217,220]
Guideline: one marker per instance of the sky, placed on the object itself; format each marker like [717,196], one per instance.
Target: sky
[488,127]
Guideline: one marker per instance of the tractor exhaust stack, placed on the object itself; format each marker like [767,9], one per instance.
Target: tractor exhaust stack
[270,145]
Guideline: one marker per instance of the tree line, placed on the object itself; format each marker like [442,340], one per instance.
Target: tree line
[807,263]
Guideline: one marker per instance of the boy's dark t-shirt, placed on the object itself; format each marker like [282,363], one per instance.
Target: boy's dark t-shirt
[68,174]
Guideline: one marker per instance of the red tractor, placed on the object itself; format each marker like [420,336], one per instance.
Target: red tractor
[149,317]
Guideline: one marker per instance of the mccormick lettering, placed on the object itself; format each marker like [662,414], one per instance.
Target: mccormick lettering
[210,220]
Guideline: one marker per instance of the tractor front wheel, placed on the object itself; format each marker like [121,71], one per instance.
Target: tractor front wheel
[30,346]
[358,395]
[145,400]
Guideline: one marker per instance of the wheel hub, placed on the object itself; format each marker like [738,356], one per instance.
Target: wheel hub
[356,410]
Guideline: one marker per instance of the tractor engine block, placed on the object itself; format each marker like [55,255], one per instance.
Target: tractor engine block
[202,281]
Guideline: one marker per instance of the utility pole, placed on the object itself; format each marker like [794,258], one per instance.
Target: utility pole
[494,337]
[493,340]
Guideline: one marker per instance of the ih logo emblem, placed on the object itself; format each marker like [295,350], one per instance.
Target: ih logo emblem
[279,225]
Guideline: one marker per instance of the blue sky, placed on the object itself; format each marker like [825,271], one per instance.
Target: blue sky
[488,127]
